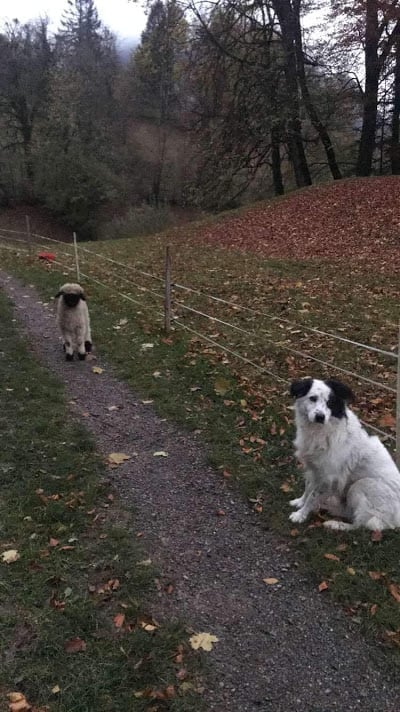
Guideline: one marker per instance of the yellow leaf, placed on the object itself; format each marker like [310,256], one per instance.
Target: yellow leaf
[270,581]
[97,369]
[351,571]
[145,562]
[148,626]
[160,453]
[10,556]
[56,689]
[117,458]
[203,640]
[221,386]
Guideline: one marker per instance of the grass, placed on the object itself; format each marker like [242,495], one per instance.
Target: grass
[244,416]
[78,565]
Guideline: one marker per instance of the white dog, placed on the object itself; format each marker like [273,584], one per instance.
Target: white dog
[73,321]
[347,471]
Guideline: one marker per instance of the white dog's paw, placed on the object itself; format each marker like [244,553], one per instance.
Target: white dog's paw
[299,516]
[337,526]
[298,502]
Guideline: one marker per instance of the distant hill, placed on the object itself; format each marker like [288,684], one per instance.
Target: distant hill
[125,45]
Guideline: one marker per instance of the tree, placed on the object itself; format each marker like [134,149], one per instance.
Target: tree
[155,77]
[26,58]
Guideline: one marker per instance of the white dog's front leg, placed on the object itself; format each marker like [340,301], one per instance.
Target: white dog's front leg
[307,507]
[309,486]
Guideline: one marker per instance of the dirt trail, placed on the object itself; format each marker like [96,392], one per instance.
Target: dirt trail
[282,647]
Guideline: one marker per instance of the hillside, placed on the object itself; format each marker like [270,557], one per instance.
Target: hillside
[356,220]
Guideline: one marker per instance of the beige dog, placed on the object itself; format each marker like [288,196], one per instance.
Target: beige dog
[73,321]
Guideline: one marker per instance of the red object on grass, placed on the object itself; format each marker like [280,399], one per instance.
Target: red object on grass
[48,256]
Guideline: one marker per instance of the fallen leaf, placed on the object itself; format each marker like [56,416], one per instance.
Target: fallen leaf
[376,535]
[119,620]
[18,702]
[373,609]
[203,640]
[10,556]
[112,408]
[74,645]
[56,689]
[97,369]
[323,586]
[145,562]
[394,590]
[387,420]
[331,557]
[117,458]
[351,571]
[270,581]
[375,575]
[149,627]
[53,542]
[160,453]
[147,402]
[221,386]
[286,487]
[144,347]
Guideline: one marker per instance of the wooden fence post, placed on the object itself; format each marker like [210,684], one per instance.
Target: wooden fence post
[167,292]
[29,234]
[78,273]
[398,405]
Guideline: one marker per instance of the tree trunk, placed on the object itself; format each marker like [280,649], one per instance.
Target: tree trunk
[297,154]
[308,102]
[276,160]
[372,67]
[394,143]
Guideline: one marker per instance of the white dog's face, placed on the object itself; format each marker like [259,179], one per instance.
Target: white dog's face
[319,401]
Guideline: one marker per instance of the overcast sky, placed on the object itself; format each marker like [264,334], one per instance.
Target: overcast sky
[124,18]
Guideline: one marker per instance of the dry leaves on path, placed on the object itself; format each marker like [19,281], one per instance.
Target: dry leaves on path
[117,458]
[204,641]
[10,556]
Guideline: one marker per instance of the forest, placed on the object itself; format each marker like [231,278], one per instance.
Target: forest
[222,102]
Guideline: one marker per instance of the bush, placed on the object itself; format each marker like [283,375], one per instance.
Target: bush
[139,220]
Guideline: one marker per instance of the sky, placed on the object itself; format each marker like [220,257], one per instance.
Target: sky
[123,17]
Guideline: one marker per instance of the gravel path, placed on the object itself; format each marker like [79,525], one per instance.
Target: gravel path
[281,648]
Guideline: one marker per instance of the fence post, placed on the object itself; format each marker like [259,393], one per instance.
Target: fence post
[167,293]
[29,234]
[78,274]
[398,405]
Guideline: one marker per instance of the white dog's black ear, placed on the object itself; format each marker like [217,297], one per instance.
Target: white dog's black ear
[83,296]
[300,388]
[341,390]
[59,294]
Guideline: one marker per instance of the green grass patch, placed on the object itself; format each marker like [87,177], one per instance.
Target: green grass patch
[78,566]
[243,415]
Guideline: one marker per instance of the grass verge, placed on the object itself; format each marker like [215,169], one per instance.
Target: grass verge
[75,633]
[243,416]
